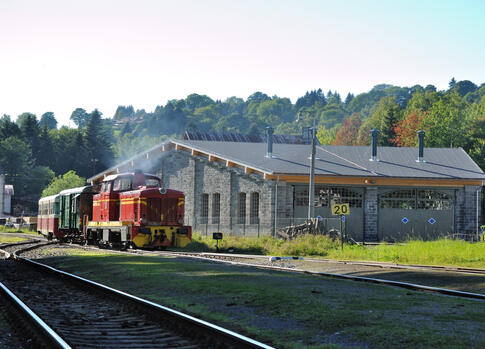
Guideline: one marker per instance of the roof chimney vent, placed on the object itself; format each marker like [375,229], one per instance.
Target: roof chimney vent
[374,133]
[269,141]
[421,134]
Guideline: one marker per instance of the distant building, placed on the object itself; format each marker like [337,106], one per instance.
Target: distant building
[7,201]
[230,185]
[6,193]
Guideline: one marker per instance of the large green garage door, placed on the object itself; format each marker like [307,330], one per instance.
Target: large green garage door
[324,196]
[415,213]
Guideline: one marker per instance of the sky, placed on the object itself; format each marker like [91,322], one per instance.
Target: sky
[58,55]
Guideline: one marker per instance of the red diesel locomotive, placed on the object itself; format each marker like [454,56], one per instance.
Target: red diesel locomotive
[133,209]
[130,210]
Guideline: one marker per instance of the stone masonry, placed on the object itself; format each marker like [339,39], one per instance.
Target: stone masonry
[196,176]
[371,207]
[466,210]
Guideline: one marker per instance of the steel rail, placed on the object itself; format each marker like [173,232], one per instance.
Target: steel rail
[231,338]
[48,335]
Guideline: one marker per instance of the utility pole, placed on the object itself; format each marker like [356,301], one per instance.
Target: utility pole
[311,189]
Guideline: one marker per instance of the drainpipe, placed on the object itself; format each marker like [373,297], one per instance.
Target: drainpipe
[276,205]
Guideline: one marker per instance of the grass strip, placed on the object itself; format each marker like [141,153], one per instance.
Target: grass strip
[457,253]
[10,239]
[3,229]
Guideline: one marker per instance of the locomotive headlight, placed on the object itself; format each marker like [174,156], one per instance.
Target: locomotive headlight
[181,221]
[163,191]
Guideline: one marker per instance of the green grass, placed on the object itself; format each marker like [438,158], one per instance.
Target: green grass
[289,310]
[439,252]
[18,231]
[10,239]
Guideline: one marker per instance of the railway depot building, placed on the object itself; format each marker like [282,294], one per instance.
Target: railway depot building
[250,188]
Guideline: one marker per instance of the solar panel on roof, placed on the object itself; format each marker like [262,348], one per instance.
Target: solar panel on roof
[245,138]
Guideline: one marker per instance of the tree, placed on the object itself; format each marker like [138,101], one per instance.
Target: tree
[465,86]
[326,136]
[126,129]
[348,132]
[66,181]
[349,98]
[406,129]
[310,99]
[254,129]
[386,115]
[39,178]
[30,132]
[9,128]
[15,160]
[99,150]
[123,112]
[80,117]
[476,135]
[334,98]
[48,120]
[447,122]
[452,83]
[258,97]
[194,101]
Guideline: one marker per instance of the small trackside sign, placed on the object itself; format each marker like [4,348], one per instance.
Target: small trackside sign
[217,236]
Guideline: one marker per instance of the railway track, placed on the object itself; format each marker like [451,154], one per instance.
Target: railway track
[65,310]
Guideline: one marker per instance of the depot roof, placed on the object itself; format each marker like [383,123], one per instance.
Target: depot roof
[331,161]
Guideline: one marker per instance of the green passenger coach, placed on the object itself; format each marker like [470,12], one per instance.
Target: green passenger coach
[74,208]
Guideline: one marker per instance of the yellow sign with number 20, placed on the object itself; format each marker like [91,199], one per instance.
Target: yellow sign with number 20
[340,209]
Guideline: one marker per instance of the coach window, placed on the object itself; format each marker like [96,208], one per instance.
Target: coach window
[216,208]
[254,214]
[242,208]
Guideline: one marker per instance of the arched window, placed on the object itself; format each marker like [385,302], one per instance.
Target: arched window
[204,209]
[254,214]
[242,208]
[216,208]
